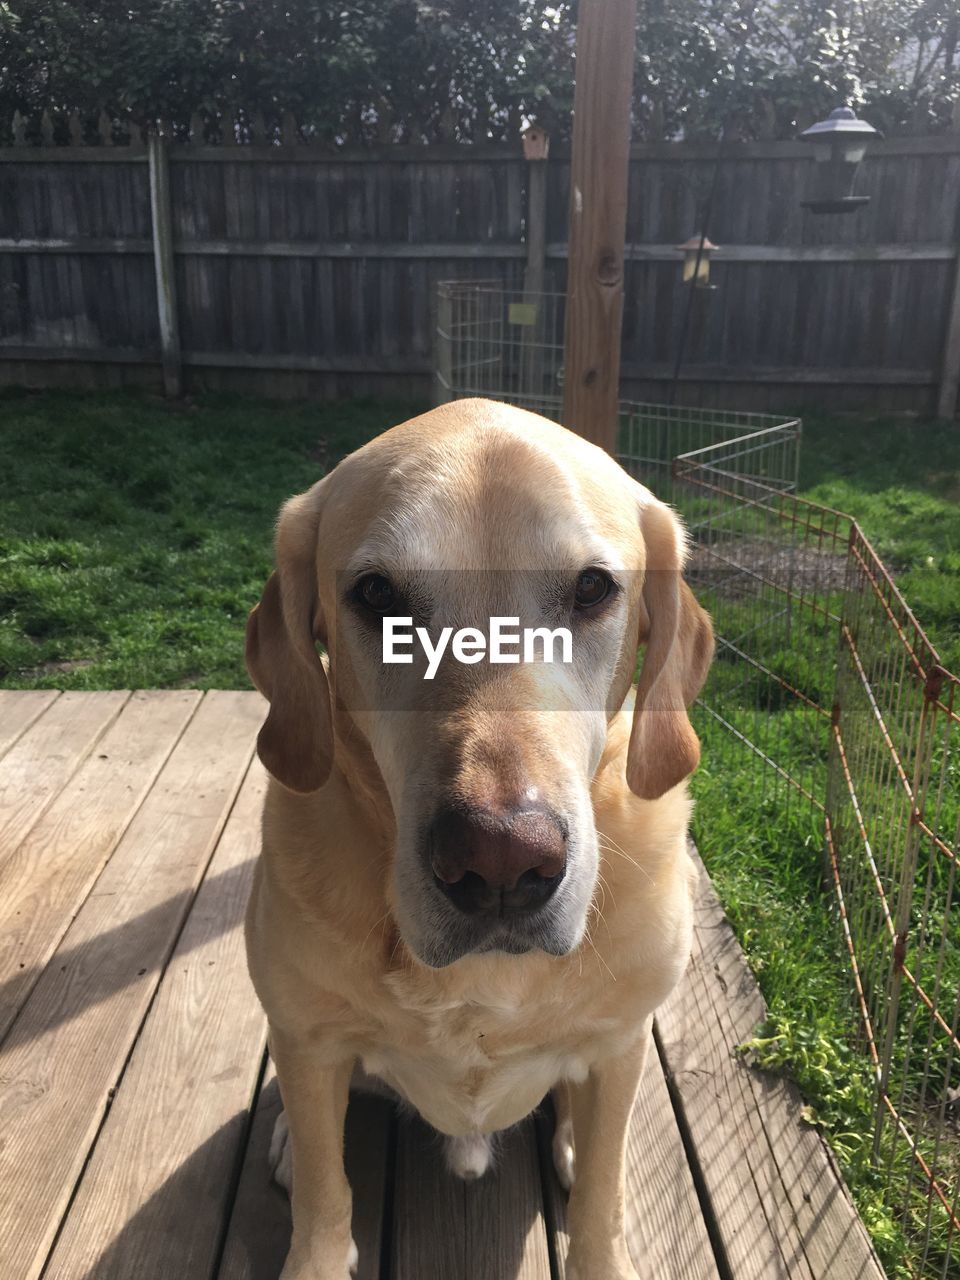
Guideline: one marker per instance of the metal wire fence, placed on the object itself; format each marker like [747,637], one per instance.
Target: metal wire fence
[826,677]
[826,681]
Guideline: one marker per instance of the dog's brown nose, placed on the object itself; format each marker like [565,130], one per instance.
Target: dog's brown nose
[498,863]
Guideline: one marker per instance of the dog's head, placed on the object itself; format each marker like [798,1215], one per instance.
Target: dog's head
[473,512]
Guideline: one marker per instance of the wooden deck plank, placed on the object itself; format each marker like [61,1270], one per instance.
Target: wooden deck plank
[155,1196]
[46,756]
[666,1231]
[259,1234]
[19,708]
[444,1227]
[67,1048]
[834,1240]
[833,1236]
[698,1046]
[739,1125]
[367,1151]
[46,879]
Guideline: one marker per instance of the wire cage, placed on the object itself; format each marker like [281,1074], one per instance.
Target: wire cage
[826,682]
[825,677]
[508,346]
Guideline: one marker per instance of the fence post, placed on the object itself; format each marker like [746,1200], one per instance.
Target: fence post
[950,367]
[162,225]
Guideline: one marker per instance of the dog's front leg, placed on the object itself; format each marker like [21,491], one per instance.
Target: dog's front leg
[600,1109]
[315,1096]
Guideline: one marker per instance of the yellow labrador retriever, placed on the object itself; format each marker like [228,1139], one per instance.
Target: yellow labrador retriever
[473,886]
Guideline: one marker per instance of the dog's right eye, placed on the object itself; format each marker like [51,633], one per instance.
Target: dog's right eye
[376,593]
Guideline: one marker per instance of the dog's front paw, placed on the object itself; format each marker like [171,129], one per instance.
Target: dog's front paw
[312,1268]
[564,1159]
[603,1271]
[280,1158]
[610,1265]
[469,1157]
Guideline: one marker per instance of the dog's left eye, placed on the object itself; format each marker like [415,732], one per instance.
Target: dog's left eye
[376,592]
[592,587]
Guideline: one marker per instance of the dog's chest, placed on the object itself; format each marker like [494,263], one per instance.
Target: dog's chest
[469,1067]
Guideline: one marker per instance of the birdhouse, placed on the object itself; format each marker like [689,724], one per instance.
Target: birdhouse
[536,142]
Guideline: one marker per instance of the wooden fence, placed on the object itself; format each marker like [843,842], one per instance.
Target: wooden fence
[286,270]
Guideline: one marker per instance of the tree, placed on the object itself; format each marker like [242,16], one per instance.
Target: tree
[362,71]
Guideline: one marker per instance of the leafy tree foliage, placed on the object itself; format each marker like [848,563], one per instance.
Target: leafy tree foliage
[361,71]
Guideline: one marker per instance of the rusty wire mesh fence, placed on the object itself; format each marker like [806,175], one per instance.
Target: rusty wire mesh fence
[826,681]
[826,677]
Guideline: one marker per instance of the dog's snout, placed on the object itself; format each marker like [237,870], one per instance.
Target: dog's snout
[498,863]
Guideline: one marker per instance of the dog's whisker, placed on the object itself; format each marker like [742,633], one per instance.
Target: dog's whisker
[600,958]
[601,917]
[602,890]
[607,841]
[609,845]
[597,908]
[377,925]
[393,953]
[605,888]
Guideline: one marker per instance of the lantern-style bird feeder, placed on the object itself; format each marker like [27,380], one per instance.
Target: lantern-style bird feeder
[839,144]
[696,261]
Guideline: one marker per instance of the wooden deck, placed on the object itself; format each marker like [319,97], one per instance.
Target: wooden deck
[136,1102]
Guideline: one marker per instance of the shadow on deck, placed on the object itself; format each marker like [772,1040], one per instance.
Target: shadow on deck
[137,1102]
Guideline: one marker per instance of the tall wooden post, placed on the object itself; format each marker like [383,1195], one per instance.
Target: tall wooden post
[606,45]
[162,220]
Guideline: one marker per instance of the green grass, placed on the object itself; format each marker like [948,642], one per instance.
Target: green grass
[901,482]
[135,537]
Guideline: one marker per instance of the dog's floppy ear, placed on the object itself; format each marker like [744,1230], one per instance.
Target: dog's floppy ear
[664,748]
[296,741]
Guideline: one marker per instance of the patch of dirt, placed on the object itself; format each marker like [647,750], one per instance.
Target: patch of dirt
[740,566]
[61,668]
[320,452]
[945,484]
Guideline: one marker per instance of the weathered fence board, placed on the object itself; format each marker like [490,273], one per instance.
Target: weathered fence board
[301,271]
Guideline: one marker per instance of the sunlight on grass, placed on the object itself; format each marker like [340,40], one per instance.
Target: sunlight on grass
[901,482]
[136,536]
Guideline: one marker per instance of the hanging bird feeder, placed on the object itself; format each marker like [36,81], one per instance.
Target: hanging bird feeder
[696,261]
[839,144]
